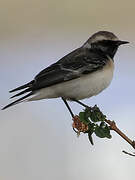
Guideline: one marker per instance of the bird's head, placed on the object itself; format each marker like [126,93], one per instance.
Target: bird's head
[104,41]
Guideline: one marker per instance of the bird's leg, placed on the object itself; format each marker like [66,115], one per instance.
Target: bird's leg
[73,116]
[79,102]
[77,124]
[68,107]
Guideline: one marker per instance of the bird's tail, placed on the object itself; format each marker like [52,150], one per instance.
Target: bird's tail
[27,87]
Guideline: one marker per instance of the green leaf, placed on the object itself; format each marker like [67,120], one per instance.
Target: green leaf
[94,114]
[84,118]
[91,127]
[102,130]
[90,138]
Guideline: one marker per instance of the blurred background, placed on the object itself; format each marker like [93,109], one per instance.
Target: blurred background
[36,138]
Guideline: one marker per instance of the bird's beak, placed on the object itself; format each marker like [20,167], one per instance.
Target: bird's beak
[122,42]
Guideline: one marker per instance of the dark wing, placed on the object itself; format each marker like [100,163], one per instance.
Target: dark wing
[74,65]
[78,63]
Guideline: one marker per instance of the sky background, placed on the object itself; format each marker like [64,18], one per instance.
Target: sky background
[36,138]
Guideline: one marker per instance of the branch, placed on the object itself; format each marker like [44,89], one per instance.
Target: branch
[118,131]
[88,122]
[128,153]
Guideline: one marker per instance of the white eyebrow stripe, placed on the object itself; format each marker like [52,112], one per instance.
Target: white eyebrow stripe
[101,37]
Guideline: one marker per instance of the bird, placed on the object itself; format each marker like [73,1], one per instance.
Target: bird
[81,74]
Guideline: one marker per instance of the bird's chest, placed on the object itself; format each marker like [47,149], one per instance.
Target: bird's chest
[97,82]
[92,84]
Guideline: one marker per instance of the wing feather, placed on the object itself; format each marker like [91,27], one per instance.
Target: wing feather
[74,65]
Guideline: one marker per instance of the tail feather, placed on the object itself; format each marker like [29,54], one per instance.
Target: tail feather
[22,92]
[29,89]
[18,101]
[22,87]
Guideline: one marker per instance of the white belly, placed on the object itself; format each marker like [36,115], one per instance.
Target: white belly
[80,88]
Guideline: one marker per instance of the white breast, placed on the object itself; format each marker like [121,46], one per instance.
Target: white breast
[83,87]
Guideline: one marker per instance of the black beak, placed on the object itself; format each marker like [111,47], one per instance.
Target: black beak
[122,42]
